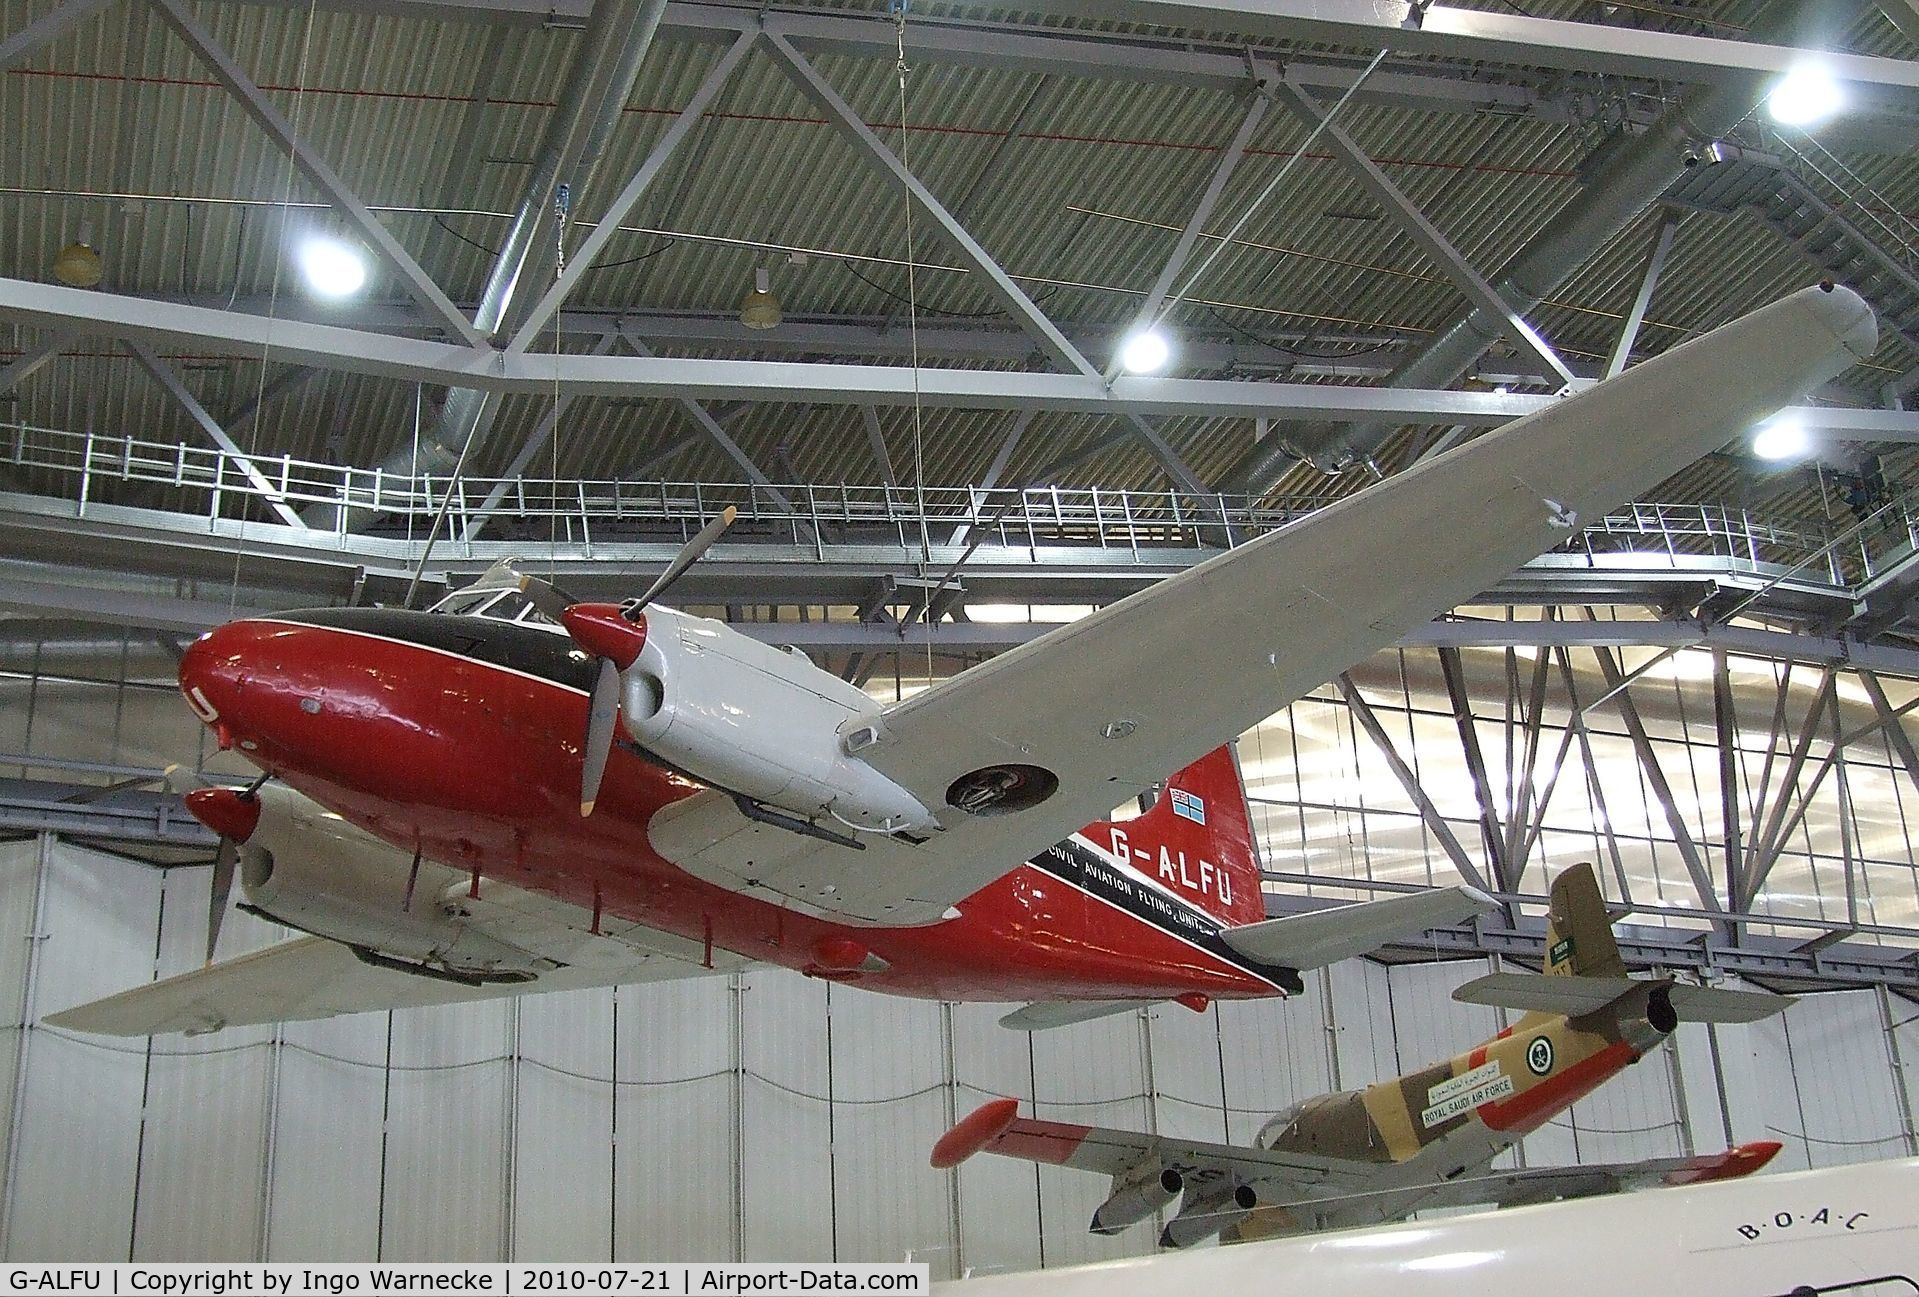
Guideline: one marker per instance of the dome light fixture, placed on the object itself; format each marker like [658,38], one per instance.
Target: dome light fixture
[78,264]
[1782,438]
[760,308]
[333,267]
[1145,352]
[1806,96]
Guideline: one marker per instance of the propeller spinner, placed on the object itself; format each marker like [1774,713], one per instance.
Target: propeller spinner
[233,813]
[614,634]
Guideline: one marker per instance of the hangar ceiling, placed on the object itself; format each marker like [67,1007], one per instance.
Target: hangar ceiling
[1075,167]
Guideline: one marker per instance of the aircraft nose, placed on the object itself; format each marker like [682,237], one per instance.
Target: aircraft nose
[212,672]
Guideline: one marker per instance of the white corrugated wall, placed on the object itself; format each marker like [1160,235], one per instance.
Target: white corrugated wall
[765,1117]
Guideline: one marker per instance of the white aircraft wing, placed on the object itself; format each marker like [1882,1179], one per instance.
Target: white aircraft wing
[1517,1188]
[1111,703]
[310,977]
[996,1127]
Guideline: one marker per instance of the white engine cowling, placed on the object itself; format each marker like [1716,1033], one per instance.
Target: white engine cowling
[1136,1195]
[759,721]
[315,872]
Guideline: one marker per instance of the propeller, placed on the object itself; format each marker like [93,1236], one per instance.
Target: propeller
[233,813]
[614,634]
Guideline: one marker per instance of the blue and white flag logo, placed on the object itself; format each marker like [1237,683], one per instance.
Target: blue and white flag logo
[1185,804]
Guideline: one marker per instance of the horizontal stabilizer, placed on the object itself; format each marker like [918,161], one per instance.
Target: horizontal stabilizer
[1574,996]
[1046,1013]
[1322,937]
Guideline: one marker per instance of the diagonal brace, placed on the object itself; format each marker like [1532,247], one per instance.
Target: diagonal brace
[322,176]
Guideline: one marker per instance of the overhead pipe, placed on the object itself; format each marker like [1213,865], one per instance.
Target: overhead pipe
[1624,177]
[598,83]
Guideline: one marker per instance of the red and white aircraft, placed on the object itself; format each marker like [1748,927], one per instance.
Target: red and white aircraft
[513,792]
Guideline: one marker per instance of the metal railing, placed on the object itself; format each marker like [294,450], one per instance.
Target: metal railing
[215,484]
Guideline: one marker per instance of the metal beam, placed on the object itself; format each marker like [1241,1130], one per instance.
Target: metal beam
[30,362]
[1770,839]
[1489,828]
[163,375]
[1223,169]
[417,359]
[1655,266]
[1725,718]
[1492,36]
[1435,822]
[1656,779]
[718,435]
[1903,14]
[418,284]
[816,88]
[47,28]
[876,442]
[588,253]
[523,458]
[1437,247]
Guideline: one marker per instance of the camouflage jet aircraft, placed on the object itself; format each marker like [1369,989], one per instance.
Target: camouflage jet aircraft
[1419,1141]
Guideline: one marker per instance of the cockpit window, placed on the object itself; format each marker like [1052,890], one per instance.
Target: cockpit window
[463,603]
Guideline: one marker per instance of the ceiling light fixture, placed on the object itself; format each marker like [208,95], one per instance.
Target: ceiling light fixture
[760,308]
[1806,96]
[78,265]
[1781,438]
[333,267]
[1145,352]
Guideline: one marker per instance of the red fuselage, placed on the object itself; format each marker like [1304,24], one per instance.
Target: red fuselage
[460,737]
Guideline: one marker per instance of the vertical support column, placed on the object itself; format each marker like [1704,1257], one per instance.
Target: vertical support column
[1726,730]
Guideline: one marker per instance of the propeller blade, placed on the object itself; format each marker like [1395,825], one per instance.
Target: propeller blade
[223,870]
[547,597]
[601,713]
[690,554]
[181,780]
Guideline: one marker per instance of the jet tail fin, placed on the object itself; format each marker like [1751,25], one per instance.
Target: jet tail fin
[1579,939]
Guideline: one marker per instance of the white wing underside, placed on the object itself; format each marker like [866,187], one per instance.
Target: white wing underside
[1207,654]
[311,977]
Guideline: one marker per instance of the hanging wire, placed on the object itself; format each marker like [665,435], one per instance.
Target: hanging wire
[898,9]
[273,304]
[1272,186]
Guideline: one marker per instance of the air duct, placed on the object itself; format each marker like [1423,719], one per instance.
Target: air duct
[598,84]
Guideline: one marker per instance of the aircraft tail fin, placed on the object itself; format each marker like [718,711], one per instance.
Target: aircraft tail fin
[1579,939]
[1584,973]
[1197,840]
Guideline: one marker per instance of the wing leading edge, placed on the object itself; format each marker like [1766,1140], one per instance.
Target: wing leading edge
[1110,703]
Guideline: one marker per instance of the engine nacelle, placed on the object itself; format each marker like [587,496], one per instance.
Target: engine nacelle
[1136,1195]
[1203,1215]
[313,871]
[756,720]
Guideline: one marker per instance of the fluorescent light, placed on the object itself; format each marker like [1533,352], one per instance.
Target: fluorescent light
[1145,352]
[1805,96]
[1782,438]
[333,268]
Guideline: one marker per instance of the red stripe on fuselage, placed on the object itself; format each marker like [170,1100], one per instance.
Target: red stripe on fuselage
[1528,1111]
[480,766]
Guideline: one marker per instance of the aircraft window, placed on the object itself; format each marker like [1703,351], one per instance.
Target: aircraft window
[463,603]
[510,606]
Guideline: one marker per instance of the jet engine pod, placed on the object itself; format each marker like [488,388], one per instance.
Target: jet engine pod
[1206,1214]
[1136,1195]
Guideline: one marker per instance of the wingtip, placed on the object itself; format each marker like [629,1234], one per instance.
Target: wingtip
[985,1124]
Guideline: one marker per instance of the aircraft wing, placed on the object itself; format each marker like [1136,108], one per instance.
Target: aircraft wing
[1111,703]
[997,1128]
[1551,1183]
[310,977]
